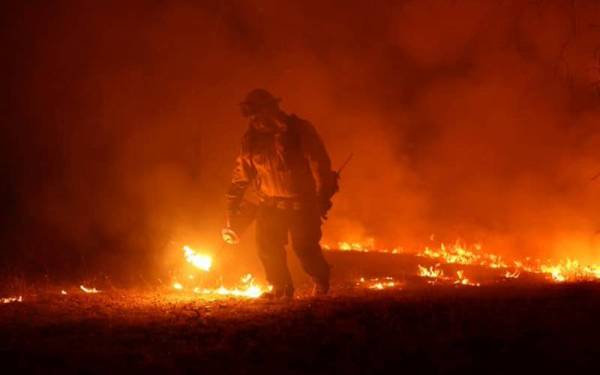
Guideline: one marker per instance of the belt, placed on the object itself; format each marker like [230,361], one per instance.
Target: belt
[284,203]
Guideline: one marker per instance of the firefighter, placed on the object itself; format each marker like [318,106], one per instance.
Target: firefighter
[285,160]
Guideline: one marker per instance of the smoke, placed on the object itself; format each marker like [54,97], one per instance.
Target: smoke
[468,119]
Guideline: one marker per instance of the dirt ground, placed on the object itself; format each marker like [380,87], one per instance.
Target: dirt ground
[512,328]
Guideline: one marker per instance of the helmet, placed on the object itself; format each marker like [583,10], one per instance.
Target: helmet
[256,100]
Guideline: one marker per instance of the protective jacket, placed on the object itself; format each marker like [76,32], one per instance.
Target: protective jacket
[287,165]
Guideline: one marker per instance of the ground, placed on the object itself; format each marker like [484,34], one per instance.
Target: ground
[497,329]
[504,325]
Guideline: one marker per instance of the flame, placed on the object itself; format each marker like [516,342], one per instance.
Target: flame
[561,271]
[383,285]
[89,290]
[568,270]
[202,262]
[433,272]
[571,270]
[457,253]
[460,254]
[364,247]
[462,280]
[555,271]
[512,275]
[247,289]
[379,283]
[11,299]
[353,246]
[249,292]
[63,292]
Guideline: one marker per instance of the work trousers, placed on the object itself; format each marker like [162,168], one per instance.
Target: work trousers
[304,228]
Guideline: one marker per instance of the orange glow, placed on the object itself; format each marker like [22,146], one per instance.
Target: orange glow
[379,283]
[88,290]
[246,289]
[433,272]
[486,128]
[461,254]
[462,280]
[202,262]
[360,246]
[11,299]
[568,270]
[560,271]
[248,292]
[436,274]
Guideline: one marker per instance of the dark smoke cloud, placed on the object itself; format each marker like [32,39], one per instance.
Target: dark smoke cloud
[471,119]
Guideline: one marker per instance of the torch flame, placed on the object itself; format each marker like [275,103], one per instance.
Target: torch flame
[203,262]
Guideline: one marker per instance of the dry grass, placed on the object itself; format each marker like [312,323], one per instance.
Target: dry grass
[443,329]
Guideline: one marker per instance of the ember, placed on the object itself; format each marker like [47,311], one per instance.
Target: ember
[379,283]
[462,280]
[11,299]
[89,290]
[512,275]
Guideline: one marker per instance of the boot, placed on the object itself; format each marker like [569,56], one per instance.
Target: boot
[279,293]
[320,289]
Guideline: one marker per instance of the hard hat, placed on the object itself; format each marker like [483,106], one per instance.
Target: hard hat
[257,99]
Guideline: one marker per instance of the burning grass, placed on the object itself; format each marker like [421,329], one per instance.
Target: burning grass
[431,312]
[457,255]
[455,265]
[564,270]
[441,329]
